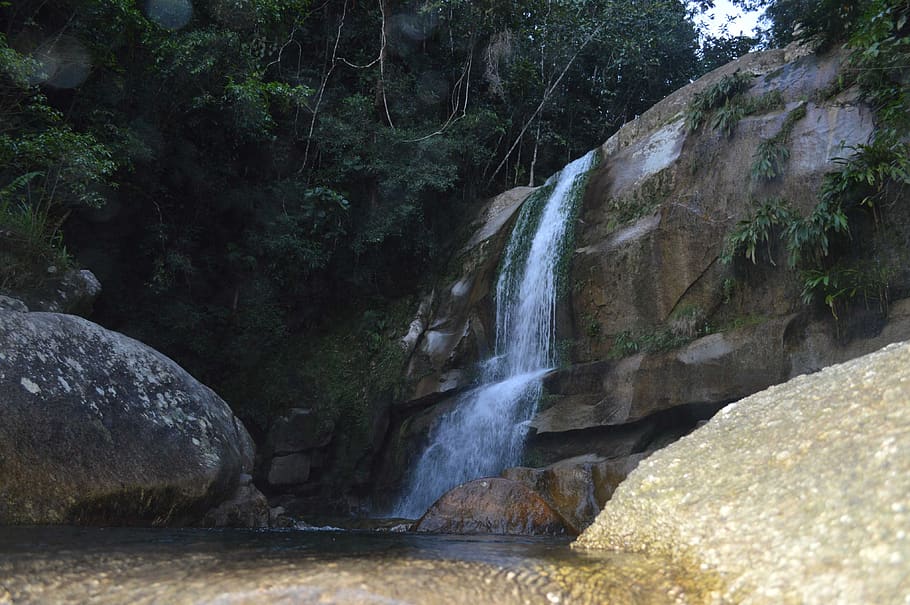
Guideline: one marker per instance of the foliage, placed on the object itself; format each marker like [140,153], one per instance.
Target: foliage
[751,232]
[724,103]
[838,285]
[717,96]
[271,168]
[717,51]
[772,154]
[647,341]
[769,159]
[46,169]
[821,22]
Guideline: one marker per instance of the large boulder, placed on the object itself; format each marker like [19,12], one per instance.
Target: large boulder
[492,506]
[99,428]
[577,488]
[72,291]
[797,494]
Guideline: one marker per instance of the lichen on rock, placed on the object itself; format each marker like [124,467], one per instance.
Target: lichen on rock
[99,428]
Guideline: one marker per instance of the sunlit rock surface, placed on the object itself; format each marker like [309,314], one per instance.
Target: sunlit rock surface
[99,428]
[493,506]
[576,488]
[797,494]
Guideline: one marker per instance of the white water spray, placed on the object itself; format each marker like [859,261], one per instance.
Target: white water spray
[485,431]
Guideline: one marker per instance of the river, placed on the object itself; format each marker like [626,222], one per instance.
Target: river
[70,565]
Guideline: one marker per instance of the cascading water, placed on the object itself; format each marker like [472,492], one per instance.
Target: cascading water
[484,433]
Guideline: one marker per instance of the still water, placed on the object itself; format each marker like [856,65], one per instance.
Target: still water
[143,566]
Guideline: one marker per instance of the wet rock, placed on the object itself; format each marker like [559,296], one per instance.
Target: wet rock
[99,428]
[247,507]
[797,494]
[451,331]
[576,488]
[492,506]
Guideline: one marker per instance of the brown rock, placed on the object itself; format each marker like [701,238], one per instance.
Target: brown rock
[577,488]
[493,506]
[718,368]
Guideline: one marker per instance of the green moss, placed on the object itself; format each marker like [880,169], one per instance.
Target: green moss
[576,196]
[525,227]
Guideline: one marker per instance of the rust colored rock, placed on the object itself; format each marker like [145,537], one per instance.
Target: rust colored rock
[576,488]
[493,506]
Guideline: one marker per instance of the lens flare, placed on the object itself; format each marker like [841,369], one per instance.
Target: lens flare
[63,63]
[169,14]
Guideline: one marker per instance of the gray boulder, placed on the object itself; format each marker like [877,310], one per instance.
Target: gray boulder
[72,292]
[99,428]
[797,494]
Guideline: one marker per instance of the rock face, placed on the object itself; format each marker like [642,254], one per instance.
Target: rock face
[72,292]
[492,506]
[659,333]
[576,488]
[797,494]
[454,325]
[294,446]
[99,428]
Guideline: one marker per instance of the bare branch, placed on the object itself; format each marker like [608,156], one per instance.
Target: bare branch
[322,85]
[546,96]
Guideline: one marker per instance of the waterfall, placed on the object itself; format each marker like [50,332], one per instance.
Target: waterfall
[484,433]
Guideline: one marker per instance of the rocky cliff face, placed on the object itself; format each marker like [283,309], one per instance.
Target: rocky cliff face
[659,333]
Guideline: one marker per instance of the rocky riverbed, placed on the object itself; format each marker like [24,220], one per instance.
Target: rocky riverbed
[69,565]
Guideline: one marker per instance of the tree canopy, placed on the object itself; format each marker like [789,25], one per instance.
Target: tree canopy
[239,171]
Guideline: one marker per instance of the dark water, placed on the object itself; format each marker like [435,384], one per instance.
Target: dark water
[96,565]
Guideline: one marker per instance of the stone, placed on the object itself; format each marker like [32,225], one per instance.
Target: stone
[451,330]
[298,431]
[293,469]
[71,292]
[797,494]
[246,507]
[492,506]
[718,368]
[99,428]
[577,488]
[9,303]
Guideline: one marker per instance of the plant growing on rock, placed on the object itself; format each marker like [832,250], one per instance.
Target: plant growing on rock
[715,97]
[772,154]
[749,233]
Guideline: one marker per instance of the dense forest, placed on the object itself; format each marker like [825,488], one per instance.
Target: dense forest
[257,182]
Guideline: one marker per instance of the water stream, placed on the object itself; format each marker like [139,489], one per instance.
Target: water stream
[485,431]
